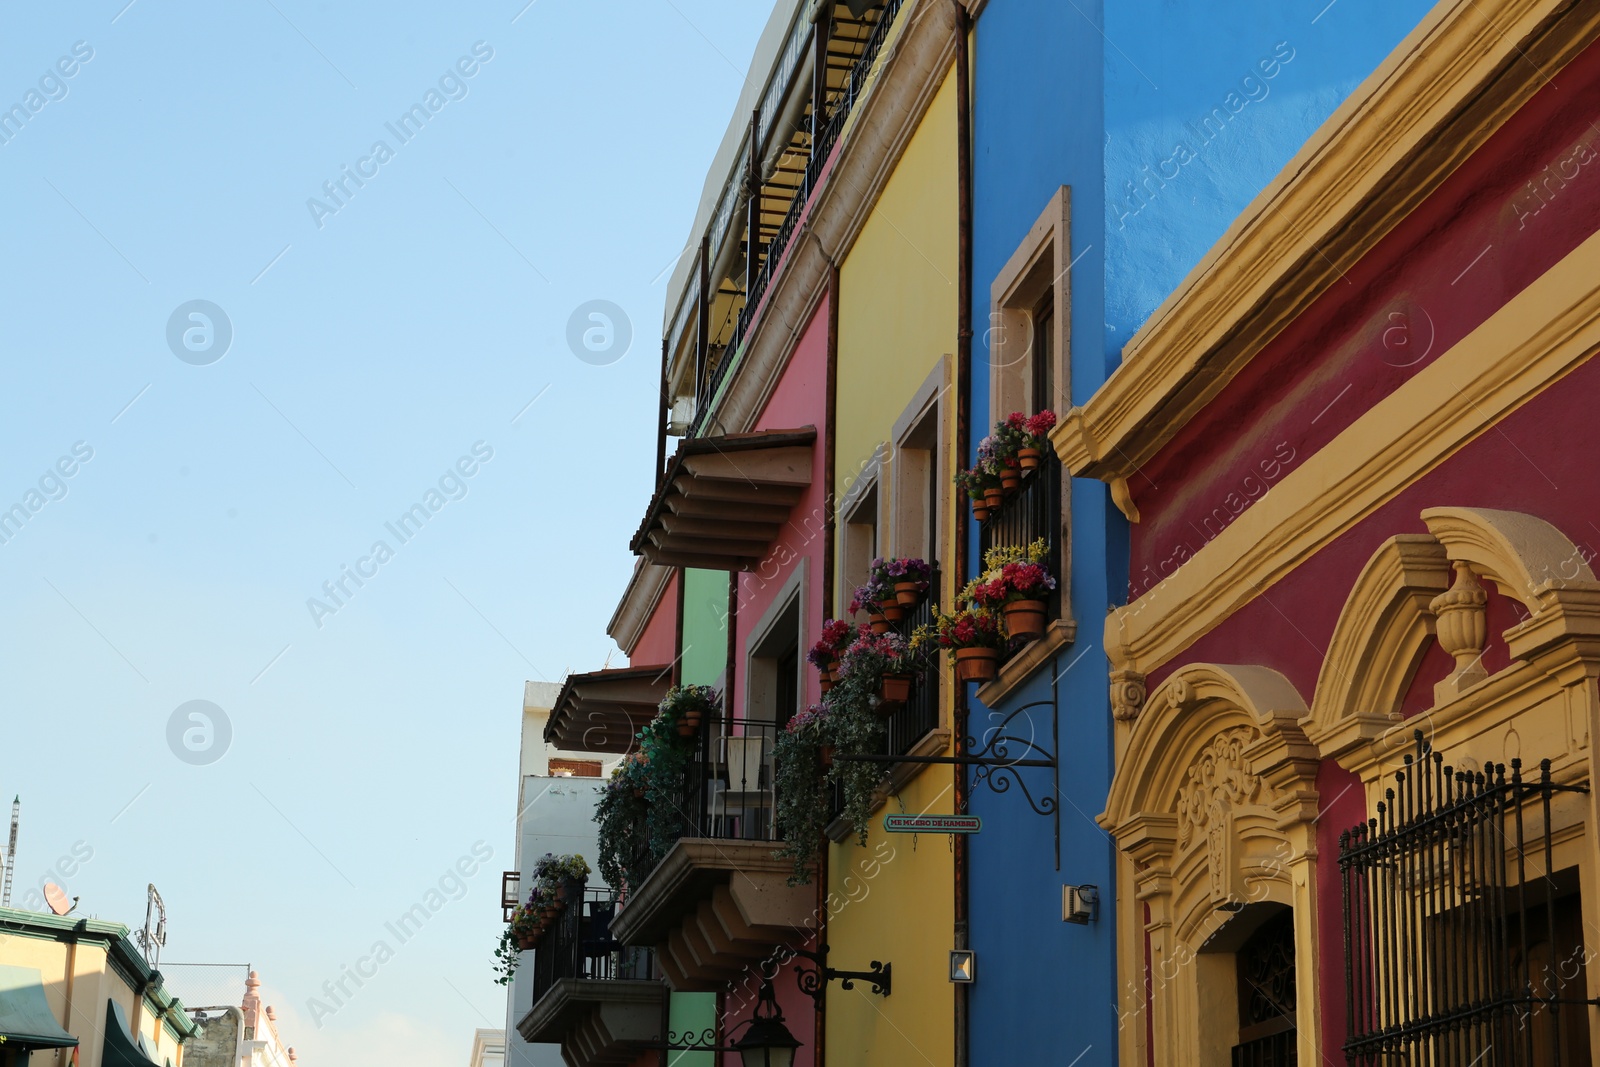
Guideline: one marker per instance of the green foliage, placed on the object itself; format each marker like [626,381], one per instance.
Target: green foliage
[640,812]
[623,815]
[801,806]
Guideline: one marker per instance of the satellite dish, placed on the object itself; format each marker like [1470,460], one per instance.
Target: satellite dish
[56,897]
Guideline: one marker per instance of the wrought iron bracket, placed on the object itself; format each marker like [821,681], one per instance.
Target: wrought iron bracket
[995,767]
[813,981]
[688,1041]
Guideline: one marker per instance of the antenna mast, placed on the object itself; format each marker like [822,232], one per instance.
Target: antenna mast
[11,853]
[154,934]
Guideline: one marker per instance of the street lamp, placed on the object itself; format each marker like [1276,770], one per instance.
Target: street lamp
[767,1042]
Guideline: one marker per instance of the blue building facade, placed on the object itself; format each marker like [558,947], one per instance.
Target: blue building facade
[1113,145]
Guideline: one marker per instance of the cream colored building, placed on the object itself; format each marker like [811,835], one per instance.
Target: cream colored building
[77,991]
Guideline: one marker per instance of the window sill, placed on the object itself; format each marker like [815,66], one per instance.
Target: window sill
[1020,668]
[933,743]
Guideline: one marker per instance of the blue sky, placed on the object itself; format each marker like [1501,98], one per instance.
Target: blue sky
[377,352]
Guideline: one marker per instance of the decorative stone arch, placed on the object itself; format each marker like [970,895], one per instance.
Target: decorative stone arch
[1212,806]
[1418,588]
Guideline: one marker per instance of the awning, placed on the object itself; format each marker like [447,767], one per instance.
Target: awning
[26,1020]
[122,1048]
[723,500]
[602,710]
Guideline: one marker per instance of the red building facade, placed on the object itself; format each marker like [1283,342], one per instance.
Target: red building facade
[1355,452]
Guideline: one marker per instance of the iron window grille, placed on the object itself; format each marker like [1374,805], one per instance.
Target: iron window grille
[1442,922]
[1031,513]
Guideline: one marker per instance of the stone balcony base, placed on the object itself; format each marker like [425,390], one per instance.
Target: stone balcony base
[597,1021]
[714,907]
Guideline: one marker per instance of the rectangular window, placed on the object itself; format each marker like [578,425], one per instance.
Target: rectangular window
[860,544]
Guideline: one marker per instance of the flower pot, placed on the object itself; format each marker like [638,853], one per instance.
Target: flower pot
[827,757]
[891,609]
[1025,619]
[977,664]
[1028,458]
[980,510]
[833,669]
[638,793]
[689,722]
[880,624]
[827,682]
[527,941]
[550,911]
[993,498]
[1010,479]
[908,593]
[894,690]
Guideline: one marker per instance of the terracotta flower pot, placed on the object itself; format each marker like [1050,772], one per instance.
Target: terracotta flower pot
[894,690]
[994,497]
[908,593]
[1025,618]
[827,682]
[977,664]
[550,911]
[1028,458]
[1010,478]
[827,757]
[527,941]
[891,609]
[880,624]
[638,793]
[833,669]
[980,510]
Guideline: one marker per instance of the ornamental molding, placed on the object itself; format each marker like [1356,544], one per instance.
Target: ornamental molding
[1539,336]
[1435,101]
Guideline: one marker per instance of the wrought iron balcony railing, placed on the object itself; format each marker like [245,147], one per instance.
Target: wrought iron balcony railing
[580,945]
[772,256]
[728,789]
[1029,514]
[912,721]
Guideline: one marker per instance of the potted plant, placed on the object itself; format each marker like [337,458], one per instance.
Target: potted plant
[885,663]
[802,756]
[907,577]
[880,586]
[973,639]
[998,454]
[687,705]
[976,483]
[869,598]
[1015,583]
[1035,434]
[824,655]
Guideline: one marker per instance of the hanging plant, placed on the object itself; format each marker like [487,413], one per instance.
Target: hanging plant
[801,804]
[623,817]
[1033,432]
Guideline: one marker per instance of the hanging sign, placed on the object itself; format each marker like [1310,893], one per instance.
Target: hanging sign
[932,824]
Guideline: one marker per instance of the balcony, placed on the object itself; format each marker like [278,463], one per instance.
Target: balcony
[913,728]
[1030,513]
[591,995]
[777,153]
[719,901]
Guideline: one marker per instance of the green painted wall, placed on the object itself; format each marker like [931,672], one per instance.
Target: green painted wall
[693,1014]
[705,626]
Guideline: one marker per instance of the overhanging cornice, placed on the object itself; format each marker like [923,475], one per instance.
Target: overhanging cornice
[723,500]
[601,711]
[1438,97]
